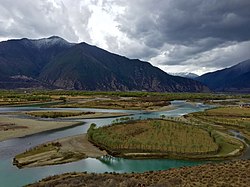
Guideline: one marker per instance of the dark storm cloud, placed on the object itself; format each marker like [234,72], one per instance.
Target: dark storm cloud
[185,22]
[192,27]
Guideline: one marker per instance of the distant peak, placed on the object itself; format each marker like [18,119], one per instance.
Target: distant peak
[55,37]
[53,40]
[184,74]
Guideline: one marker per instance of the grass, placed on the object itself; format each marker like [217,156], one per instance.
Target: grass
[226,116]
[227,145]
[56,114]
[39,149]
[154,136]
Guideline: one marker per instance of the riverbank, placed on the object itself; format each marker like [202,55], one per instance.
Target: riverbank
[18,127]
[234,173]
[60,151]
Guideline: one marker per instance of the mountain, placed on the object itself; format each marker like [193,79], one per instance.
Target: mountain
[55,63]
[22,60]
[233,79]
[186,75]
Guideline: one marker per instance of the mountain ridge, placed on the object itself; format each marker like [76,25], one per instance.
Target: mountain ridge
[60,64]
[232,79]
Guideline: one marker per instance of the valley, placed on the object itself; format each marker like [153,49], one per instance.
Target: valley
[183,132]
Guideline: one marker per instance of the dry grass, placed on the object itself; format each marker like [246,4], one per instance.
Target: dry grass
[144,103]
[228,117]
[236,173]
[57,114]
[74,114]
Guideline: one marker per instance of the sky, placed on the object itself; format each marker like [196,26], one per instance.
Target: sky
[196,36]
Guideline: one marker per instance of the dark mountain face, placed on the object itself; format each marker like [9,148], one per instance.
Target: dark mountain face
[53,62]
[233,79]
[28,57]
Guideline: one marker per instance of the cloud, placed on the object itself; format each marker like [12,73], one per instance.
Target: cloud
[42,18]
[191,33]
[194,35]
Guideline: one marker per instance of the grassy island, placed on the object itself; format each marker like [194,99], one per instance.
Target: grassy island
[57,114]
[60,151]
[160,138]
[144,103]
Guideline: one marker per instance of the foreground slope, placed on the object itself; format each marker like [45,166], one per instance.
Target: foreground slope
[236,173]
[235,78]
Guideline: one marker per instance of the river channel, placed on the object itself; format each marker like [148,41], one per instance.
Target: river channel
[12,176]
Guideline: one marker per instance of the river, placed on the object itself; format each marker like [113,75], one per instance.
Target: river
[11,176]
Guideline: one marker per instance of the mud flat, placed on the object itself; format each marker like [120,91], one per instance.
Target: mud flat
[12,127]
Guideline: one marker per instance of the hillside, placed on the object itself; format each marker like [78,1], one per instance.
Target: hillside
[55,63]
[236,173]
[233,79]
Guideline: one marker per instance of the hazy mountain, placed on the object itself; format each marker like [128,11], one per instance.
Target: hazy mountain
[55,63]
[186,75]
[233,79]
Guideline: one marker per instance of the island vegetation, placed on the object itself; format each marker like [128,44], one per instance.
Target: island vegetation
[164,138]
[60,151]
[57,114]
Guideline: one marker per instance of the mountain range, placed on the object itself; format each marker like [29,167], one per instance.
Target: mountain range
[54,63]
[232,79]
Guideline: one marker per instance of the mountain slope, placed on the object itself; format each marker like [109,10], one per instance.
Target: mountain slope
[235,78]
[90,68]
[26,57]
[55,63]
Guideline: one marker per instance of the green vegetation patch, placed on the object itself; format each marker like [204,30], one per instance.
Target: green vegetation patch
[40,149]
[154,136]
[226,116]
